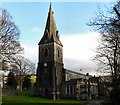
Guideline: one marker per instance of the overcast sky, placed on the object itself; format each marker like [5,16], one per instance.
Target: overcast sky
[79,40]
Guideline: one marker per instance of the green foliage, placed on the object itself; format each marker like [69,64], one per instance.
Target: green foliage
[11,81]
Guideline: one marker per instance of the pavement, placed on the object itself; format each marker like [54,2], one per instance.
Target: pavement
[95,102]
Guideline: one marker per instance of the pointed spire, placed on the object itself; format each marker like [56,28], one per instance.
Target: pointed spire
[50,9]
[51,25]
[51,33]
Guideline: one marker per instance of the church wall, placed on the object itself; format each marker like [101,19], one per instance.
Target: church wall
[58,53]
[54,69]
[68,90]
[52,52]
[50,48]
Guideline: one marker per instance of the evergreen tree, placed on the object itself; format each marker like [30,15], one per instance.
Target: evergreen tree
[27,82]
[11,81]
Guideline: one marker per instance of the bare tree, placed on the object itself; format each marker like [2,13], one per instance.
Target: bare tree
[9,38]
[108,51]
[22,67]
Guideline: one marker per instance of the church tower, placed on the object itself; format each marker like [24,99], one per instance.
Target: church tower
[50,72]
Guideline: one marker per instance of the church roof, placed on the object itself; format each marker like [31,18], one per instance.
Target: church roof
[51,34]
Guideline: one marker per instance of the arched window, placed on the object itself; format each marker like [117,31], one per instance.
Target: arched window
[46,52]
[58,53]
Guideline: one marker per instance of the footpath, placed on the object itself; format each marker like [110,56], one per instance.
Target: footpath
[95,102]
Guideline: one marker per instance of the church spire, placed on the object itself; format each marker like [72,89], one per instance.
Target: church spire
[51,33]
[50,9]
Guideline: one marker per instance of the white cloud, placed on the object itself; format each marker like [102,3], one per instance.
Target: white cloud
[79,46]
[30,52]
[36,30]
[76,65]
[77,51]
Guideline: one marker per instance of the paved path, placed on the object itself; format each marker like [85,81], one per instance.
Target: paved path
[95,102]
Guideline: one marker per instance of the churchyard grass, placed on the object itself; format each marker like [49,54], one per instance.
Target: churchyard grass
[29,99]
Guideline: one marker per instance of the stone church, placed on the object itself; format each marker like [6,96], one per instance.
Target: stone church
[50,72]
[52,79]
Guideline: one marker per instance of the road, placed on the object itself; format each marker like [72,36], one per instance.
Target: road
[95,102]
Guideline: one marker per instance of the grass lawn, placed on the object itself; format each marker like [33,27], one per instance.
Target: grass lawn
[28,100]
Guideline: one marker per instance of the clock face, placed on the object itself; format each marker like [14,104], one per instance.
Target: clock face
[45,64]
